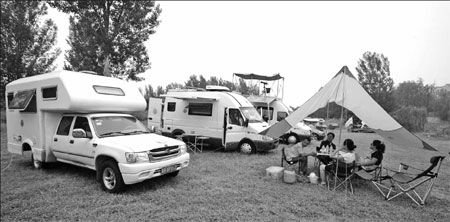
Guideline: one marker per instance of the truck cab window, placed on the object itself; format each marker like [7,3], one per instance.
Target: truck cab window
[83,123]
[236,117]
[64,126]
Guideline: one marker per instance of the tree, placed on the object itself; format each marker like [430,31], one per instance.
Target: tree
[442,105]
[374,76]
[412,118]
[27,42]
[109,35]
[411,93]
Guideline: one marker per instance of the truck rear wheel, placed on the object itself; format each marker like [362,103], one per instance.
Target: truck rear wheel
[111,178]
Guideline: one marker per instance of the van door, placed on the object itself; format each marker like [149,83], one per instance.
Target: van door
[235,130]
[155,111]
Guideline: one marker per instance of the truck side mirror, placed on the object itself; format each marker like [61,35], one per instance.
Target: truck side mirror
[80,133]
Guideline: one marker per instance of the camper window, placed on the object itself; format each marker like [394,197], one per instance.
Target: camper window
[49,93]
[281,115]
[22,100]
[107,90]
[263,111]
[10,98]
[64,126]
[171,107]
[200,109]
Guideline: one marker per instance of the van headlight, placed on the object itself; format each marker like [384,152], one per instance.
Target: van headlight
[133,157]
[266,138]
[183,148]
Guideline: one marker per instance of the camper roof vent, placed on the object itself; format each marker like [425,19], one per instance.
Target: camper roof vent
[217,88]
[89,72]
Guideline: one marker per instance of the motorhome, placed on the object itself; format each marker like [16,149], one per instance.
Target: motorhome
[269,104]
[82,119]
[227,119]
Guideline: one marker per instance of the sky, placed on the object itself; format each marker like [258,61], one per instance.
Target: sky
[305,42]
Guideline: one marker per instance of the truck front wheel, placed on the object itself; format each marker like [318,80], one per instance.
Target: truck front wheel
[247,147]
[111,179]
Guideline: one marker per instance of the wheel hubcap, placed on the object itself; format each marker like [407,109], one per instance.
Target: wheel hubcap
[109,178]
[246,148]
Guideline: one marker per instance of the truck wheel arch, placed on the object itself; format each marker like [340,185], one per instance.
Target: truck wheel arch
[177,132]
[98,161]
[26,146]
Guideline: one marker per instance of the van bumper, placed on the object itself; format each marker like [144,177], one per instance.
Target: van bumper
[264,145]
[138,172]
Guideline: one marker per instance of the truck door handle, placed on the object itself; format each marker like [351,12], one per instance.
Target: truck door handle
[71,141]
[230,127]
[55,139]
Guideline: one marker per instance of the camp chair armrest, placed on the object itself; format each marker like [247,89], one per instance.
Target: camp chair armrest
[406,166]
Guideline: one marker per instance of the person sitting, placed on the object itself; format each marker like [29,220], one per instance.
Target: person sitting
[376,157]
[345,154]
[295,152]
[326,146]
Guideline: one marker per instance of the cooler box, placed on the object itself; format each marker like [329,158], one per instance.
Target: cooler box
[275,172]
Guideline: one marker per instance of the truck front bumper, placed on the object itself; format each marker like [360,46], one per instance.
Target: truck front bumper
[138,172]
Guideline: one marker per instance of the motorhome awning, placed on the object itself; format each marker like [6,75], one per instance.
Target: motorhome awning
[261,99]
[259,77]
[196,98]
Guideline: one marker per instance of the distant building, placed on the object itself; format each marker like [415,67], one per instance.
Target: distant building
[445,87]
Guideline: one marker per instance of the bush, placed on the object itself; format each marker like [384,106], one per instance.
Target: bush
[412,118]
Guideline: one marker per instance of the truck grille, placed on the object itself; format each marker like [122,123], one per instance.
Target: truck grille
[163,153]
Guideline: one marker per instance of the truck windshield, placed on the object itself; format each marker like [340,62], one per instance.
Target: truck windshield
[251,114]
[117,126]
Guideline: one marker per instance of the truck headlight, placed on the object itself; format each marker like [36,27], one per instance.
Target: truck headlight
[183,148]
[266,138]
[133,157]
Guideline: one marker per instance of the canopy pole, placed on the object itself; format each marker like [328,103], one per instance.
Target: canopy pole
[342,108]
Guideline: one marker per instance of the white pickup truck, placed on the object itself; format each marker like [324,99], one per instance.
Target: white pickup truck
[80,119]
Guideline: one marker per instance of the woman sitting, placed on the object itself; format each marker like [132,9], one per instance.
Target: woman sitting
[345,154]
[371,163]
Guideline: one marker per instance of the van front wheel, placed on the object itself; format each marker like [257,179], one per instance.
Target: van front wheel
[111,179]
[247,147]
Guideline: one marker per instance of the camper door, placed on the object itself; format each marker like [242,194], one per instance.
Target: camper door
[235,129]
[155,109]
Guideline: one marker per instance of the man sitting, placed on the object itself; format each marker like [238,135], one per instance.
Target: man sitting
[326,146]
[295,152]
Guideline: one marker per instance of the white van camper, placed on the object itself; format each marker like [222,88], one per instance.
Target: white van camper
[227,118]
[274,110]
[79,119]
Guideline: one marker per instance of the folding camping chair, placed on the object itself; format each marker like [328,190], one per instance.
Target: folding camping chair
[407,182]
[291,162]
[341,174]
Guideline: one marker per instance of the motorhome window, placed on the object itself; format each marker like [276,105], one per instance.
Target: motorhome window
[171,107]
[200,109]
[264,113]
[22,99]
[10,97]
[107,90]
[64,126]
[281,115]
[236,117]
[49,93]
[82,123]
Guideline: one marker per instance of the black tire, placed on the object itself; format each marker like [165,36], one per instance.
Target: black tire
[247,147]
[173,174]
[110,177]
[38,165]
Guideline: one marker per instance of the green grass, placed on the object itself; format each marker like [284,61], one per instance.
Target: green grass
[217,186]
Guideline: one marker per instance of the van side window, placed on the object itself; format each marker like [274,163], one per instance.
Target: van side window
[64,126]
[200,109]
[236,117]
[83,123]
[49,93]
[10,98]
[24,101]
[171,106]
[281,115]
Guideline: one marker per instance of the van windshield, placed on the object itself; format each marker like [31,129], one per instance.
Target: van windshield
[251,114]
[117,126]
